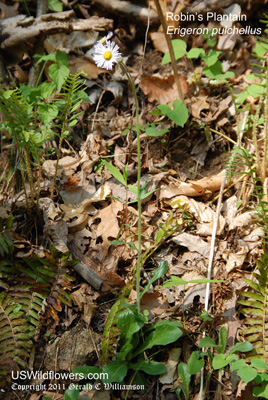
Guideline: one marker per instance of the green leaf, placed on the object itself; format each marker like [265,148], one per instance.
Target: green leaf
[85,370]
[179,48]
[71,394]
[175,281]
[73,122]
[129,323]
[45,57]
[242,346]
[146,194]
[149,367]
[186,378]
[195,364]
[214,70]
[159,235]
[205,317]
[62,58]
[114,171]
[152,131]
[255,90]
[247,373]
[207,342]
[195,53]
[133,189]
[155,111]
[58,74]
[259,364]
[162,335]
[116,371]
[46,89]
[117,242]
[26,135]
[47,112]
[261,391]
[222,340]
[179,114]
[132,245]
[238,364]
[260,49]
[55,5]
[221,360]
[212,58]
[158,273]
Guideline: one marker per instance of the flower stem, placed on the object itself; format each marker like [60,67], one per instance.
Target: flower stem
[139,261]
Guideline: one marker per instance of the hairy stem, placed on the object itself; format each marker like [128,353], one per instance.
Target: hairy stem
[23,179]
[254,135]
[29,172]
[139,261]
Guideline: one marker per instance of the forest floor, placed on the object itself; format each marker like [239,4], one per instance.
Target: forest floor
[90,214]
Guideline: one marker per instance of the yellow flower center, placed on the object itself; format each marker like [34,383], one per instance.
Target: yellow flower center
[107,55]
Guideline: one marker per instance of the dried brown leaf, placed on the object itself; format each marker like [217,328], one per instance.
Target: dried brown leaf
[171,366]
[159,41]
[204,215]
[84,65]
[162,90]
[7,11]
[198,106]
[155,303]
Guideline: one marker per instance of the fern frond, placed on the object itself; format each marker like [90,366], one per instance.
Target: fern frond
[111,333]
[238,156]
[255,310]
[18,114]
[52,273]
[6,237]
[15,341]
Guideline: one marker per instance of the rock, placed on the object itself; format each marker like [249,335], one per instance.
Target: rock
[73,349]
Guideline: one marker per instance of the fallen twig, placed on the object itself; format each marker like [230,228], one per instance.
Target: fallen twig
[21,29]
[131,9]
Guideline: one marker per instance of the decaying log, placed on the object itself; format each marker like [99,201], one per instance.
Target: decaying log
[125,7]
[202,7]
[83,268]
[21,29]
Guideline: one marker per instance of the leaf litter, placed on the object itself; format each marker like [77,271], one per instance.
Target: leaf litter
[93,210]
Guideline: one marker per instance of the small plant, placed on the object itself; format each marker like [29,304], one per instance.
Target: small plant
[216,362]
[23,306]
[214,66]
[30,115]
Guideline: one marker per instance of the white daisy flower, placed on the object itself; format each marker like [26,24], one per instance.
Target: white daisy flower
[105,38]
[106,55]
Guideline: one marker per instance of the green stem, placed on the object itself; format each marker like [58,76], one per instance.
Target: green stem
[23,179]
[57,164]
[29,172]
[254,136]
[224,136]
[139,261]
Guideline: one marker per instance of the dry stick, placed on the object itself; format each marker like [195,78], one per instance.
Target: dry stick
[170,47]
[211,258]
